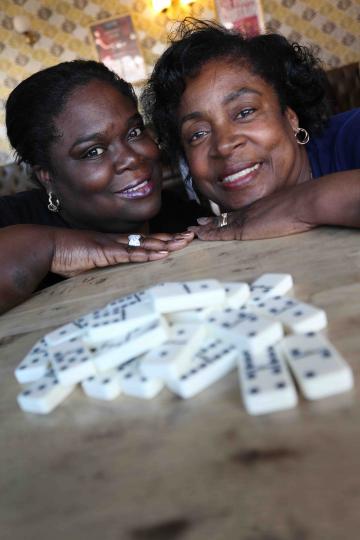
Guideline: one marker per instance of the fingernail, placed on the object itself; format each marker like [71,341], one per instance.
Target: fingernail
[163,252]
[186,234]
[204,220]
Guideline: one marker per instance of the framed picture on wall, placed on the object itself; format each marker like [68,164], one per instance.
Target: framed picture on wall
[244,15]
[117,47]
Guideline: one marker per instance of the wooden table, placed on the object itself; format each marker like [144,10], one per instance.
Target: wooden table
[200,469]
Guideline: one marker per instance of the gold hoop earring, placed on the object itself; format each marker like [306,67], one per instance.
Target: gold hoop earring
[54,202]
[302,136]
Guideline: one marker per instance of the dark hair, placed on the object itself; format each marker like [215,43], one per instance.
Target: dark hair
[291,69]
[34,104]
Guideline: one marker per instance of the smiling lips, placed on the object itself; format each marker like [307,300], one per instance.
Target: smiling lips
[240,178]
[137,191]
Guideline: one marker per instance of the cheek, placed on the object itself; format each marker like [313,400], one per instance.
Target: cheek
[84,181]
[149,150]
[199,166]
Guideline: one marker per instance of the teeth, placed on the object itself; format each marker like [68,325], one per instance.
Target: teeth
[139,186]
[240,174]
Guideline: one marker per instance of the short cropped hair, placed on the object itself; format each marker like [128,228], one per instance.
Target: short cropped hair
[34,105]
[291,69]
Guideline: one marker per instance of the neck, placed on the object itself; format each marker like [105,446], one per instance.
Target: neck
[305,172]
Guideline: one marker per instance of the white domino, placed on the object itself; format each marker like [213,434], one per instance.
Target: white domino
[213,360]
[72,362]
[296,316]
[34,365]
[119,317]
[318,368]
[236,293]
[138,341]
[66,332]
[176,296]
[166,360]
[198,315]
[43,395]
[136,384]
[265,382]
[269,285]
[248,330]
[105,386]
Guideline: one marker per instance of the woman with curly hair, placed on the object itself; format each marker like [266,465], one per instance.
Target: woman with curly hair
[247,120]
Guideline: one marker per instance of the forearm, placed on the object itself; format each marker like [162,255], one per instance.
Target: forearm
[333,200]
[25,258]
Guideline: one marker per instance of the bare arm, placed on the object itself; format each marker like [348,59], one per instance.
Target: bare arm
[29,252]
[26,253]
[330,200]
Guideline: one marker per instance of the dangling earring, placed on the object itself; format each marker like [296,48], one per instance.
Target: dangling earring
[54,202]
[302,136]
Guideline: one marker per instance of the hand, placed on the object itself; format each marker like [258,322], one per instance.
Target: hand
[76,251]
[279,214]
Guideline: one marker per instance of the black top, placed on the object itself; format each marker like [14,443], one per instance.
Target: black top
[30,207]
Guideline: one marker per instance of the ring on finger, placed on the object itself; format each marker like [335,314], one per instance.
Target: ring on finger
[222,220]
[134,240]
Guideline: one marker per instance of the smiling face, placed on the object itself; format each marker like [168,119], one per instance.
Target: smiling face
[239,145]
[105,166]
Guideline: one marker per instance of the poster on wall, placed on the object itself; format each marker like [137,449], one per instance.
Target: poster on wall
[244,15]
[117,47]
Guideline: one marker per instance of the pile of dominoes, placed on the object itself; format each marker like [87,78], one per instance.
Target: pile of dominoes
[186,336]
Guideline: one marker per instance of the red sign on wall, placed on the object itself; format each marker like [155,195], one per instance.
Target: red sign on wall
[244,15]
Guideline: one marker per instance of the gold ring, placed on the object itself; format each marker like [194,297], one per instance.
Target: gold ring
[222,220]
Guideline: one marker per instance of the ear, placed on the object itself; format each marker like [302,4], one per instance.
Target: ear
[292,118]
[43,177]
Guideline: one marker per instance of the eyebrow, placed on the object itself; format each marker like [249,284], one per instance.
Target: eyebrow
[227,99]
[99,134]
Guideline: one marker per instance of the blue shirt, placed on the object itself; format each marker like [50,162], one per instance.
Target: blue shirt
[338,147]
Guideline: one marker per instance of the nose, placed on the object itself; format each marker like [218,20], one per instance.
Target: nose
[225,139]
[126,158]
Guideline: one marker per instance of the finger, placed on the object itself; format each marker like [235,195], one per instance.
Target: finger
[207,232]
[146,242]
[206,220]
[186,235]
[135,254]
[180,241]
[162,236]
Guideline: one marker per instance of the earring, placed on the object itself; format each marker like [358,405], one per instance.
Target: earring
[302,136]
[54,202]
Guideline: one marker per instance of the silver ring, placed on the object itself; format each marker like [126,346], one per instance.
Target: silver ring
[222,220]
[134,240]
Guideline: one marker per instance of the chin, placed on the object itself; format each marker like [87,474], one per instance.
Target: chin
[147,210]
[233,203]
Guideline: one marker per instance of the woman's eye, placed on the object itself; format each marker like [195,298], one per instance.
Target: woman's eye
[244,113]
[196,136]
[136,132]
[94,152]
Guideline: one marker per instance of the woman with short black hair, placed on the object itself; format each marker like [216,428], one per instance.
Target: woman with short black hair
[246,120]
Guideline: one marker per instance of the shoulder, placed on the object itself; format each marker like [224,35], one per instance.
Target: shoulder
[27,207]
[338,147]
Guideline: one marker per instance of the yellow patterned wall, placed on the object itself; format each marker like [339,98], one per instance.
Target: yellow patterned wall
[332,26]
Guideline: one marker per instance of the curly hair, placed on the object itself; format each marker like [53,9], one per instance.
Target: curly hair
[291,69]
[34,105]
